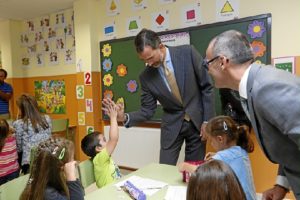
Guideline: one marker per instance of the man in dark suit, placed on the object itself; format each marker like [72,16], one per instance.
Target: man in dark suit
[272,104]
[184,111]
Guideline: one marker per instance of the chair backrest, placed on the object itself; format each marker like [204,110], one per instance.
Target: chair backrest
[86,173]
[60,125]
[14,188]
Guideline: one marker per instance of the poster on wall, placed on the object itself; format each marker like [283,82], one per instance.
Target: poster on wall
[190,15]
[133,25]
[51,96]
[109,30]
[112,7]
[175,39]
[227,10]
[139,4]
[160,21]
[285,63]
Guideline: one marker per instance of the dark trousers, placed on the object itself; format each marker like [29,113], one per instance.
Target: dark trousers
[194,147]
[9,177]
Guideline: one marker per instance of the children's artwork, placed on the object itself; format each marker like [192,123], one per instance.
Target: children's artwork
[32,49]
[89,129]
[256,29]
[285,63]
[69,56]
[46,45]
[160,21]
[227,10]
[89,105]
[190,15]
[175,39]
[139,4]
[24,39]
[121,70]
[106,50]
[259,48]
[60,43]
[133,25]
[81,118]
[51,96]
[45,22]
[107,64]
[107,80]
[132,86]
[40,59]
[69,29]
[53,58]
[59,20]
[30,25]
[51,33]
[25,61]
[87,78]
[80,91]
[112,7]
[110,30]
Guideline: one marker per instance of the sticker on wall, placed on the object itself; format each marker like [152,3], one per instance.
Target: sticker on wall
[89,129]
[259,48]
[132,86]
[110,30]
[79,91]
[108,94]
[106,50]
[190,15]
[133,25]
[121,70]
[108,80]
[139,4]
[87,78]
[160,21]
[256,29]
[81,118]
[112,7]
[107,64]
[89,105]
[227,10]
[285,63]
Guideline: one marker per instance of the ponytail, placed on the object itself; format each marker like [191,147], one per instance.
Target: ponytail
[244,139]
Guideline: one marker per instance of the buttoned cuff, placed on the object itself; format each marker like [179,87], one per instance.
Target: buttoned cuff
[127,119]
[282,181]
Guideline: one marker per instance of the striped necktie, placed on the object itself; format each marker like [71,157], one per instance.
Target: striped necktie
[172,82]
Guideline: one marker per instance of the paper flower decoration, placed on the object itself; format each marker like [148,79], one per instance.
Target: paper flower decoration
[106,64]
[108,94]
[107,80]
[132,86]
[106,50]
[121,70]
[258,48]
[120,100]
[256,29]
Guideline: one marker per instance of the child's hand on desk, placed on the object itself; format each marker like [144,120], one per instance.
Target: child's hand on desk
[209,156]
[187,167]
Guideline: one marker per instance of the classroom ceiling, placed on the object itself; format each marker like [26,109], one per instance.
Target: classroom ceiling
[28,9]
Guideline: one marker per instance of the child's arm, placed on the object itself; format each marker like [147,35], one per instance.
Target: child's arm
[114,129]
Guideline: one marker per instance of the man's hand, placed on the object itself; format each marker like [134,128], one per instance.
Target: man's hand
[108,103]
[203,133]
[275,193]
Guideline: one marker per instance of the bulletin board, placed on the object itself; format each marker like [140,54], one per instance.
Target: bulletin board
[120,65]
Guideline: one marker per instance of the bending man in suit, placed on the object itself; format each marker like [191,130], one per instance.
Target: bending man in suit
[182,116]
[273,104]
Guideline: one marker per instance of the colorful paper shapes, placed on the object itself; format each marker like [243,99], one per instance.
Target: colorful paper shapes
[108,94]
[258,48]
[132,86]
[160,19]
[133,25]
[106,64]
[190,14]
[256,29]
[120,100]
[107,80]
[106,50]
[109,29]
[121,70]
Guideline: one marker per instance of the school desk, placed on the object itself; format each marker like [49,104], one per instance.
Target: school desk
[161,172]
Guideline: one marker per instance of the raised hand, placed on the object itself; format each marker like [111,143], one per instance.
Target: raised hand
[107,103]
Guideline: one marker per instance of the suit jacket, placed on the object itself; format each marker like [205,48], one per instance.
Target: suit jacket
[196,89]
[274,107]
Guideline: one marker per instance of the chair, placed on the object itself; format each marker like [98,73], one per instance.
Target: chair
[14,188]
[86,173]
[59,126]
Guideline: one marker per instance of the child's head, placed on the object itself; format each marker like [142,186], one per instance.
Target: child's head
[214,180]
[4,130]
[48,168]
[223,132]
[93,143]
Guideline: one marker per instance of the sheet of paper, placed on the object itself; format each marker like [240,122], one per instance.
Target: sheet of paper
[176,193]
[148,186]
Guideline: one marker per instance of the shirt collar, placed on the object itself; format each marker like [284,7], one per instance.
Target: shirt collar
[243,83]
[168,57]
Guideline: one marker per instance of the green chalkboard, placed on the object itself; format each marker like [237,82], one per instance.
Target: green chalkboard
[114,53]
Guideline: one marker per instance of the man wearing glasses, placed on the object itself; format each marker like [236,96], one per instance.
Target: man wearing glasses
[272,103]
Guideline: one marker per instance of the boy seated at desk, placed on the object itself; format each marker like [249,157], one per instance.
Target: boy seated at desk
[95,146]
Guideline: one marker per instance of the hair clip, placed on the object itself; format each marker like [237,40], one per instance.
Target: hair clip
[62,154]
[225,126]
[55,150]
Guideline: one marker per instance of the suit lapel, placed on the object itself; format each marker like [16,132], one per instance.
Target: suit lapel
[178,65]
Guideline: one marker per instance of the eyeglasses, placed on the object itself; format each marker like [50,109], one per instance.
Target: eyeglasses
[206,62]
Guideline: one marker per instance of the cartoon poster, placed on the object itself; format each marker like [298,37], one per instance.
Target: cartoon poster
[51,96]
[227,10]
